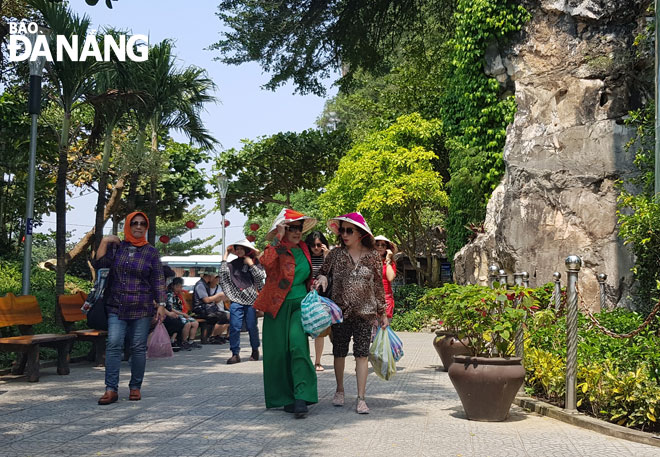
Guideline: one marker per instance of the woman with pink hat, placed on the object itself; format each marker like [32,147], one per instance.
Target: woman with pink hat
[387,249]
[357,287]
[289,376]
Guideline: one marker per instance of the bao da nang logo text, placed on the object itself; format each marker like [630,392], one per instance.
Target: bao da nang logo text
[121,47]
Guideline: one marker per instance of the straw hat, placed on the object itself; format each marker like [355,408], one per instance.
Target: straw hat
[353,218]
[391,246]
[287,216]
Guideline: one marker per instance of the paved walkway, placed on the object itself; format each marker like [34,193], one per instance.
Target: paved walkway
[196,405]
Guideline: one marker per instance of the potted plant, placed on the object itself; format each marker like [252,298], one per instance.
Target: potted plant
[486,321]
[445,342]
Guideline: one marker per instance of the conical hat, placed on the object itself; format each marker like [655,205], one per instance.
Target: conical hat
[354,218]
[287,216]
[246,244]
[391,246]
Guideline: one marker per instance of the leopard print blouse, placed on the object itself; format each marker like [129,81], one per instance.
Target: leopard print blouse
[356,287]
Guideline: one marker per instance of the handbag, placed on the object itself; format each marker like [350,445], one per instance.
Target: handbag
[94,306]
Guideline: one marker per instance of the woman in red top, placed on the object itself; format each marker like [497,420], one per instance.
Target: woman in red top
[387,249]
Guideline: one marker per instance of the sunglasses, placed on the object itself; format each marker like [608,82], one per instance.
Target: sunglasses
[293,228]
[346,230]
[139,223]
[317,245]
[381,245]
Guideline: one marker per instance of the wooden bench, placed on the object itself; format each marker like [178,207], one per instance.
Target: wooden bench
[24,312]
[69,308]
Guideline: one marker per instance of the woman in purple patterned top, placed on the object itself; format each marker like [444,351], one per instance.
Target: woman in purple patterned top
[136,285]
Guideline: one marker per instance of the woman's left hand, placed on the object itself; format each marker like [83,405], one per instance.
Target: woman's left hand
[384,321]
[161,312]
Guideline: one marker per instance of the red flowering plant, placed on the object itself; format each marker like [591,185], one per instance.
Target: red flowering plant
[484,319]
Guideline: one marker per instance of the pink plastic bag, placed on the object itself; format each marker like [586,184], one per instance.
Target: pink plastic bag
[159,343]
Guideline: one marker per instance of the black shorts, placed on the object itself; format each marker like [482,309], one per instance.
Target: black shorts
[173,325]
[357,328]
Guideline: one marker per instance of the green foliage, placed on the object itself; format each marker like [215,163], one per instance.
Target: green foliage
[410,313]
[487,317]
[185,245]
[618,379]
[407,297]
[306,41]
[304,201]
[283,164]
[474,112]
[14,156]
[639,213]
[389,177]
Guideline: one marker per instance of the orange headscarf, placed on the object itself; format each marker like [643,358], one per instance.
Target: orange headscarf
[128,236]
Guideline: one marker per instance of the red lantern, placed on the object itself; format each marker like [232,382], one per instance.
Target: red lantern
[191,224]
[254,227]
[226,223]
[164,239]
[251,238]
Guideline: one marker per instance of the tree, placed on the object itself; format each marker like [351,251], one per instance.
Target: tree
[391,180]
[14,153]
[304,201]
[175,100]
[272,169]
[307,41]
[176,230]
[71,80]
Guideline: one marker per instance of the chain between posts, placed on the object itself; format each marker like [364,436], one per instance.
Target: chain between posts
[607,332]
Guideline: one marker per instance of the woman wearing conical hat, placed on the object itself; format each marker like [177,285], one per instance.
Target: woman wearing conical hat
[357,287]
[289,376]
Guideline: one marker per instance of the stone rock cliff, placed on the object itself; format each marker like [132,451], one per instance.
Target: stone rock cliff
[575,76]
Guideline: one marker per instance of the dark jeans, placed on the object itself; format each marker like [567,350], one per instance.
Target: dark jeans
[236,322]
[137,331]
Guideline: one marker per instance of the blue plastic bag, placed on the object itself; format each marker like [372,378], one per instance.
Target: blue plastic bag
[381,357]
[396,344]
[335,311]
[314,315]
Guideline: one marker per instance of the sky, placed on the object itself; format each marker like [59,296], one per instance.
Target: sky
[244,110]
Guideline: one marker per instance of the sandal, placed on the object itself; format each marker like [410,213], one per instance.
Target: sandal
[338,399]
[319,367]
[361,407]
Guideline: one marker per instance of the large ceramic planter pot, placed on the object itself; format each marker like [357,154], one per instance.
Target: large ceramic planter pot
[447,346]
[487,386]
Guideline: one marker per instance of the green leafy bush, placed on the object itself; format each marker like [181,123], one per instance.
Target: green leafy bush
[618,379]
[407,297]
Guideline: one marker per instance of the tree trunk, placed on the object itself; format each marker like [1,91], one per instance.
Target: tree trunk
[60,205]
[103,183]
[111,207]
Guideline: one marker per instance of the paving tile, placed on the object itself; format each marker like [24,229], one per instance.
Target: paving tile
[195,405]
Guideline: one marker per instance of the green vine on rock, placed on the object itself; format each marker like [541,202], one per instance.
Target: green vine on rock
[475,112]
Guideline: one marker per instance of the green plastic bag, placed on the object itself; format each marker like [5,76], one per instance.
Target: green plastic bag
[381,357]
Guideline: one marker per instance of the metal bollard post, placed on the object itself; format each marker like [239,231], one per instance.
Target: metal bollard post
[525,279]
[518,339]
[557,292]
[492,274]
[601,285]
[573,264]
[503,277]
